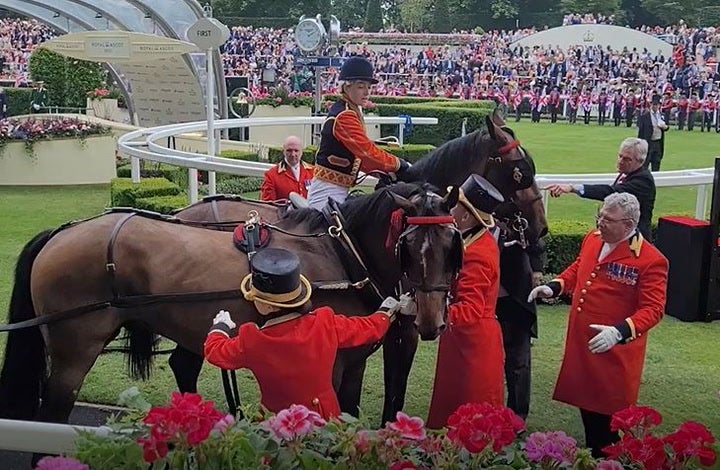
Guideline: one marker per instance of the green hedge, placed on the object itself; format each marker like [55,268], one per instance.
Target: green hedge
[247,155]
[125,193]
[18,101]
[449,126]
[409,152]
[162,204]
[378,99]
[275,154]
[239,185]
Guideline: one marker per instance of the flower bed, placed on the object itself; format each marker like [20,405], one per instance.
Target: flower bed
[191,433]
[55,151]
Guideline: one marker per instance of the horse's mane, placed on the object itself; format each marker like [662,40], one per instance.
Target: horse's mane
[359,210]
[463,150]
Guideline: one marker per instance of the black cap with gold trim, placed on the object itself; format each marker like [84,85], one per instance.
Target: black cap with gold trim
[275,279]
[481,198]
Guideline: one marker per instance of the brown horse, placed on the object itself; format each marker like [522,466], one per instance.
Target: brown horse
[491,153]
[86,280]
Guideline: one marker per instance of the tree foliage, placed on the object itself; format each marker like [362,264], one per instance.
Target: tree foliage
[66,79]
[373,16]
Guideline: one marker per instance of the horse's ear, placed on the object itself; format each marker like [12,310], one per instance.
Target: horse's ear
[451,199]
[497,117]
[404,204]
[491,127]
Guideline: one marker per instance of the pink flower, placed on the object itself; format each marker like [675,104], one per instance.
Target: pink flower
[362,441]
[60,463]
[294,422]
[609,465]
[403,465]
[556,447]
[224,423]
[407,427]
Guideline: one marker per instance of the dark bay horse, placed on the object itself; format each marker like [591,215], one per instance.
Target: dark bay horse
[124,269]
[493,153]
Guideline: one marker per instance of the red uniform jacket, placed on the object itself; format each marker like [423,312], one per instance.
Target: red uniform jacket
[627,290]
[293,361]
[470,355]
[280,181]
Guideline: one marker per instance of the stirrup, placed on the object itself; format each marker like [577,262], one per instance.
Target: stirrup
[297,201]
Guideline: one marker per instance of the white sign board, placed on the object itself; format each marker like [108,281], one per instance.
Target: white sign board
[117,46]
[208,33]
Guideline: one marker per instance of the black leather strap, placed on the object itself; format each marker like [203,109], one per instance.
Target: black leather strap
[110,264]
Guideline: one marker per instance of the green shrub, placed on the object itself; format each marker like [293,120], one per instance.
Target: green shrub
[449,126]
[66,79]
[410,152]
[125,193]
[382,99]
[18,101]
[162,204]
[275,154]
[239,185]
[247,155]
[563,243]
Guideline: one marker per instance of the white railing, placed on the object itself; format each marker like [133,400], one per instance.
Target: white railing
[702,178]
[143,144]
[30,436]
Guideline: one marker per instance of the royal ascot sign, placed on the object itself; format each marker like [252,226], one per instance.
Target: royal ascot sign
[118,46]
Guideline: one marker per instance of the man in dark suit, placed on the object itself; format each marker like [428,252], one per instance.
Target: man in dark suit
[652,127]
[520,271]
[633,178]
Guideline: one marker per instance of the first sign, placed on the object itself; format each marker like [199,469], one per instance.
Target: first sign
[208,33]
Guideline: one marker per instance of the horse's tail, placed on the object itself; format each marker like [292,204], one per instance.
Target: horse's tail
[24,367]
[140,348]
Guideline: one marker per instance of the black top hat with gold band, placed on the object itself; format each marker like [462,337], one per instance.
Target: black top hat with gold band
[275,279]
[655,99]
[480,198]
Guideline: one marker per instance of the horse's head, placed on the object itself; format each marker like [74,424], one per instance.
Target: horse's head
[420,236]
[429,252]
[495,154]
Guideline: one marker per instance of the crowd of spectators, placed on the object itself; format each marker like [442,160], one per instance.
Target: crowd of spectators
[477,66]
[18,38]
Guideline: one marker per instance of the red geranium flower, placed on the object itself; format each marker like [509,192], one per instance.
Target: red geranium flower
[407,427]
[476,426]
[636,420]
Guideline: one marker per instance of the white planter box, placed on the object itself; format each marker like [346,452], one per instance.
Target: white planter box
[59,161]
[104,109]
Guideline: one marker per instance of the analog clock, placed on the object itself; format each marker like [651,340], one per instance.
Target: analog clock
[310,34]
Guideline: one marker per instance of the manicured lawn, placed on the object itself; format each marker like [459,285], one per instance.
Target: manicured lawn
[682,377]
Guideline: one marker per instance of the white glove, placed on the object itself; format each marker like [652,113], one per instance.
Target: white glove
[223,316]
[543,292]
[408,305]
[390,306]
[602,342]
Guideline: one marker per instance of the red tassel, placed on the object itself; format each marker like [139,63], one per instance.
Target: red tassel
[397,219]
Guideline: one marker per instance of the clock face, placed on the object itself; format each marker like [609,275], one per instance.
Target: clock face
[309,35]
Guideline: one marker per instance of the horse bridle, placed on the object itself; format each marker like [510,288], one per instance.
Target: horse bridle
[411,224]
[519,224]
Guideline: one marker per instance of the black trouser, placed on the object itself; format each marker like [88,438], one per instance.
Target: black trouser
[517,113]
[630,111]
[516,342]
[617,116]
[601,116]
[654,155]
[666,117]
[597,432]
[691,119]
[586,116]
[682,117]
[707,118]
[535,114]
[553,112]
[573,115]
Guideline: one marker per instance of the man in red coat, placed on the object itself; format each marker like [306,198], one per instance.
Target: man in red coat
[290,175]
[292,354]
[618,284]
[470,355]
